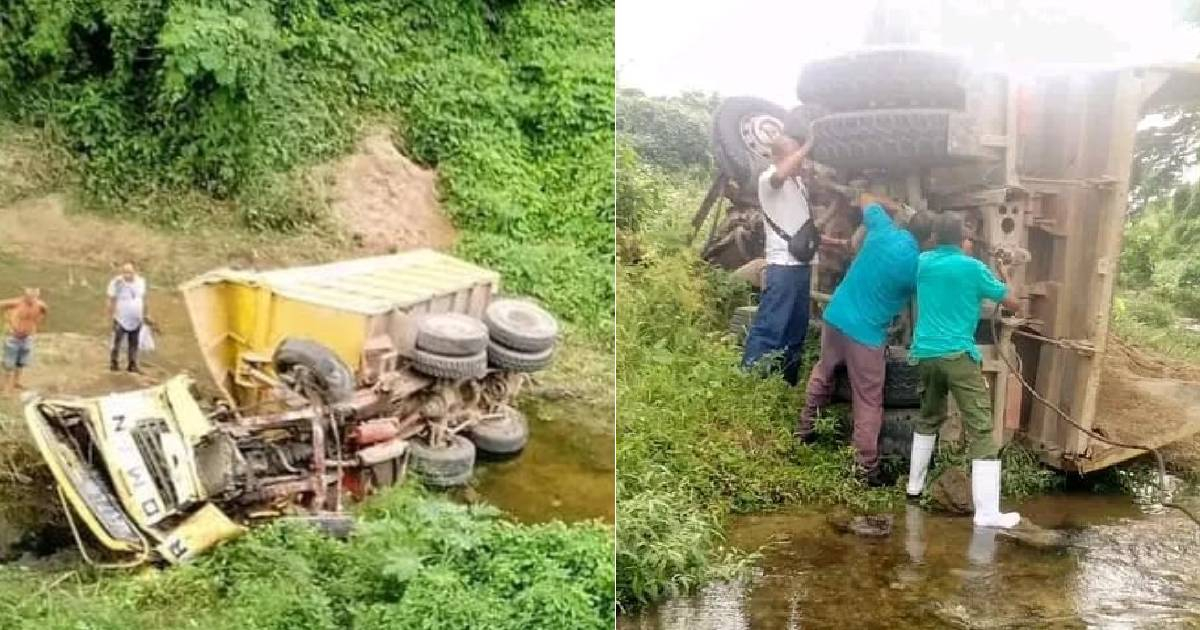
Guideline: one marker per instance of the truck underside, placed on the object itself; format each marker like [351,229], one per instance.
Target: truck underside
[1039,170]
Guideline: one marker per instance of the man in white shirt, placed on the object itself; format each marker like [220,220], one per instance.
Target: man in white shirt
[127,310]
[782,319]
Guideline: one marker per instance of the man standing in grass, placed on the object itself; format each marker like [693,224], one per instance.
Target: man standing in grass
[877,286]
[127,310]
[23,316]
[782,319]
[950,289]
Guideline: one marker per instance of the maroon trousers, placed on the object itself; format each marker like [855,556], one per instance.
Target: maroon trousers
[865,365]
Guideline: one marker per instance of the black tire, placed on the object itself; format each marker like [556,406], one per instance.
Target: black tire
[909,138]
[334,525]
[505,358]
[451,334]
[798,122]
[521,325]
[505,436]
[740,321]
[453,368]
[901,385]
[734,156]
[885,78]
[443,466]
[334,379]
[895,434]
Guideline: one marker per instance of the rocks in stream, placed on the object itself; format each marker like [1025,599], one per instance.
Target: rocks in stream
[1030,534]
[951,491]
[865,525]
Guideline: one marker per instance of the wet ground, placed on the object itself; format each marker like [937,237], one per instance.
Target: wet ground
[565,472]
[1123,567]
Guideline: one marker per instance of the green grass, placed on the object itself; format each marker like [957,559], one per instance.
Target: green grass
[1145,320]
[415,562]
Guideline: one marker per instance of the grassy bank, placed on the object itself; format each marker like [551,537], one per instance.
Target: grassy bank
[697,440]
[414,562]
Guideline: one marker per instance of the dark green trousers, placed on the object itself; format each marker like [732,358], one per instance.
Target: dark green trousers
[959,376]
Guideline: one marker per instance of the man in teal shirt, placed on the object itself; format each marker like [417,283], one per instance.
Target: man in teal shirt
[950,289]
[877,286]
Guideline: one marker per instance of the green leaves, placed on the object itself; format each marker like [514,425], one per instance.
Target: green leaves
[398,570]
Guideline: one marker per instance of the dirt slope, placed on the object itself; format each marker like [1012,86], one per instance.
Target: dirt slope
[385,201]
[1144,397]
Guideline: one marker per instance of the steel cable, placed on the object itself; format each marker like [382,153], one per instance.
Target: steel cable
[1163,493]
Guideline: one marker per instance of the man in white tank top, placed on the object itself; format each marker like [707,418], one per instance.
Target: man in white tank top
[782,320]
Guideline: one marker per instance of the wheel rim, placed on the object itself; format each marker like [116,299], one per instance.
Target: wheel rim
[758,132]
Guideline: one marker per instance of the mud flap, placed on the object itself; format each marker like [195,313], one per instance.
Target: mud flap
[204,529]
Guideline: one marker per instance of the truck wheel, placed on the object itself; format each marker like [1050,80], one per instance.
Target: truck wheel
[451,334]
[743,129]
[901,385]
[454,368]
[505,435]
[335,381]
[505,358]
[740,321]
[885,77]
[896,137]
[443,466]
[521,325]
[799,120]
[332,524]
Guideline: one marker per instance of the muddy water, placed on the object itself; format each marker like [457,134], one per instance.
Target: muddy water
[1122,568]
[565,472]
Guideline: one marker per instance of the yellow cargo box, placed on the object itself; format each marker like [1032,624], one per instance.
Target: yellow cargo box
[242,316]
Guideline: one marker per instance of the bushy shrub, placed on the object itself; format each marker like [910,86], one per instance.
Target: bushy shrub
[415,562]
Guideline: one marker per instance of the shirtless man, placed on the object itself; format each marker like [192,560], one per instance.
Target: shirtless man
[23,316]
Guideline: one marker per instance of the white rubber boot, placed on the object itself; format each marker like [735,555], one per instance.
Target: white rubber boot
[985,491]
[918,464]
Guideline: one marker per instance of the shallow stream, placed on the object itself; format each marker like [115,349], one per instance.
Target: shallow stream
[1121,567]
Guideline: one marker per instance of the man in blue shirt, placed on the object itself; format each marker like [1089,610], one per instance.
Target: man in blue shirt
[877,286]
[950,289]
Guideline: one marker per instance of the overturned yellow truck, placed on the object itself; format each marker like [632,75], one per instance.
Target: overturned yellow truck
[334,380]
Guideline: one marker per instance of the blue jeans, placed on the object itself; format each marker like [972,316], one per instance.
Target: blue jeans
[781,322]
[17,352]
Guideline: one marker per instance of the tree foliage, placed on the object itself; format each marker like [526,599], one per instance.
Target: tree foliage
[511,101]
[1163,154]
[1161,253]
[669,132]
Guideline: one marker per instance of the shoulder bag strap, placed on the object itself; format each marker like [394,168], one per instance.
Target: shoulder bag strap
[775,226]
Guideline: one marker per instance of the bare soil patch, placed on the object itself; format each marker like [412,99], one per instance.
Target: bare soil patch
[1146,399]
[385,201]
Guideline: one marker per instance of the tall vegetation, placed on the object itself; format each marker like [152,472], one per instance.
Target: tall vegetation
[1161,253]
[669,132]
[511,101]
[697,440]
[415,562]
